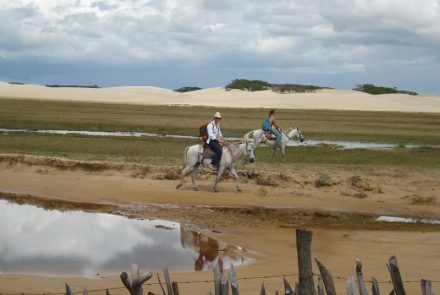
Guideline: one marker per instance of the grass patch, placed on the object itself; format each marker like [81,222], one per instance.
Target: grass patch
[166,150]
[421,200]
[387,127]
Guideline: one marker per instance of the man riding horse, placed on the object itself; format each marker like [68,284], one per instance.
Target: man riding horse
[215,140]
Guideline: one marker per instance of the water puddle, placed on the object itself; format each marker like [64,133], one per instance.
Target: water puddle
[75,243]
[340,144]
[407,220]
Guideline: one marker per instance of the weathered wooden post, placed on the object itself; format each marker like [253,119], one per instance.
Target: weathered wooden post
[360,277]
[262,291]
[375,287]
[287,288]
[233,279]
[320,286]
[351,288]
[175,288]
[326,278]
[168,281]
[426,287]
[303,248]
[395,276]
[135,285]
[68,291]
[217,279]
[224,285]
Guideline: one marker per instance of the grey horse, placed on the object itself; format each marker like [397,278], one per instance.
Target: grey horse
[231,153]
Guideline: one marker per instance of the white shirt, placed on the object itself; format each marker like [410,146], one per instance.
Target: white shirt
[214,131]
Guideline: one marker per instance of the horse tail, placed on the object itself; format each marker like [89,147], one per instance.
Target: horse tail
[248,135]
[185,156]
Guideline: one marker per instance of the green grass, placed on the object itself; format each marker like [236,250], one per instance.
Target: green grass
[388,127]
[164,151]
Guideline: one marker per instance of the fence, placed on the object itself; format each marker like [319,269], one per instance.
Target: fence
[226,282]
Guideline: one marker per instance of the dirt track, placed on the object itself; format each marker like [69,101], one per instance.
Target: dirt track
[261,219]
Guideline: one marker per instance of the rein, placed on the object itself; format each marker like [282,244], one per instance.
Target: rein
[235,157]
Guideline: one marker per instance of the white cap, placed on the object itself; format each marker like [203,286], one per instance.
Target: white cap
[217,115]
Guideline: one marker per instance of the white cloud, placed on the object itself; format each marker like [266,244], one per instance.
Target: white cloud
[316,34]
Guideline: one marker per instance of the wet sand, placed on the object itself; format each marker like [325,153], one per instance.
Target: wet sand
[271,241]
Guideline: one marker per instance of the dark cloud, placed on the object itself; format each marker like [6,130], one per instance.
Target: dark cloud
[324,41]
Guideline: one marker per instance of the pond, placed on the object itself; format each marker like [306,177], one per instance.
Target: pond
[291,143]
[75,243]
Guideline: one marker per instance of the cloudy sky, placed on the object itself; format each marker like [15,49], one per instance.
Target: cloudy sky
[207,43]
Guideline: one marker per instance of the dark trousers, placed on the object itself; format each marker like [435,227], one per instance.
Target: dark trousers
[217,149]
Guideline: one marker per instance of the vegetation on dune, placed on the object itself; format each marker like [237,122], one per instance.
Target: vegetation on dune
[375,90]
[74,86]
[187,89]
[259,85]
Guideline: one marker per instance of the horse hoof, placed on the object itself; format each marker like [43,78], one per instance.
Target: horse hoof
[195,189]
[178,186]
[238,190]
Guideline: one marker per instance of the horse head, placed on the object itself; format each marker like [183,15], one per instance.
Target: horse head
[295,133]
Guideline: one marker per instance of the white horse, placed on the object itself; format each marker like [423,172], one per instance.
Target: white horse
[193,159]
[259,137]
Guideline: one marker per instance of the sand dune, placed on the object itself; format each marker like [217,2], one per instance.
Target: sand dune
[334,99]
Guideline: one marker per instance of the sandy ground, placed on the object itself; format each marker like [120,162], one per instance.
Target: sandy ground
[145,191]
[333,99]
[150,192]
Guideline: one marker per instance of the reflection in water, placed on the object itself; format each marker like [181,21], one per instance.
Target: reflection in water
[75,243]
[207,250]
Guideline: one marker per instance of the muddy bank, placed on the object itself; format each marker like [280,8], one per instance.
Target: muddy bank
[338,203]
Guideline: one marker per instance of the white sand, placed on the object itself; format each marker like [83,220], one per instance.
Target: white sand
[335,99]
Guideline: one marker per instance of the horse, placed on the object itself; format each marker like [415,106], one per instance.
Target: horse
[259,137]
[192,158]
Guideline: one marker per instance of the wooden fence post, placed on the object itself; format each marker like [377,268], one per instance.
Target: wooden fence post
[168,281]
[426,287]
[68,291]
[287,288]
[327,278]
[395,276]
[135,286]
[217,279]
[263,290]
[360,277]
[320,286]
[351,288]
[375,287]
[303,248]
[175,288]
[233,279]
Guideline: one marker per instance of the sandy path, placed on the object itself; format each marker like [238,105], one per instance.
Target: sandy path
[274,246]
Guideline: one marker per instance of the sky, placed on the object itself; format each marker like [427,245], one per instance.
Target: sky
[209,43]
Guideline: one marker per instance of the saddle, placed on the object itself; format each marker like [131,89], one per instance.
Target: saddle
[269,135]
[205,152]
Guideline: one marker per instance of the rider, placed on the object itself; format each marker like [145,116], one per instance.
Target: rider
[215,140]
[270,124]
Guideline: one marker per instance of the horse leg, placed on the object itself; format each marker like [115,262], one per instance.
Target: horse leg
[221,169]
[185,172]
[283,153]
[234,173]
[193,177]
[273,155]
